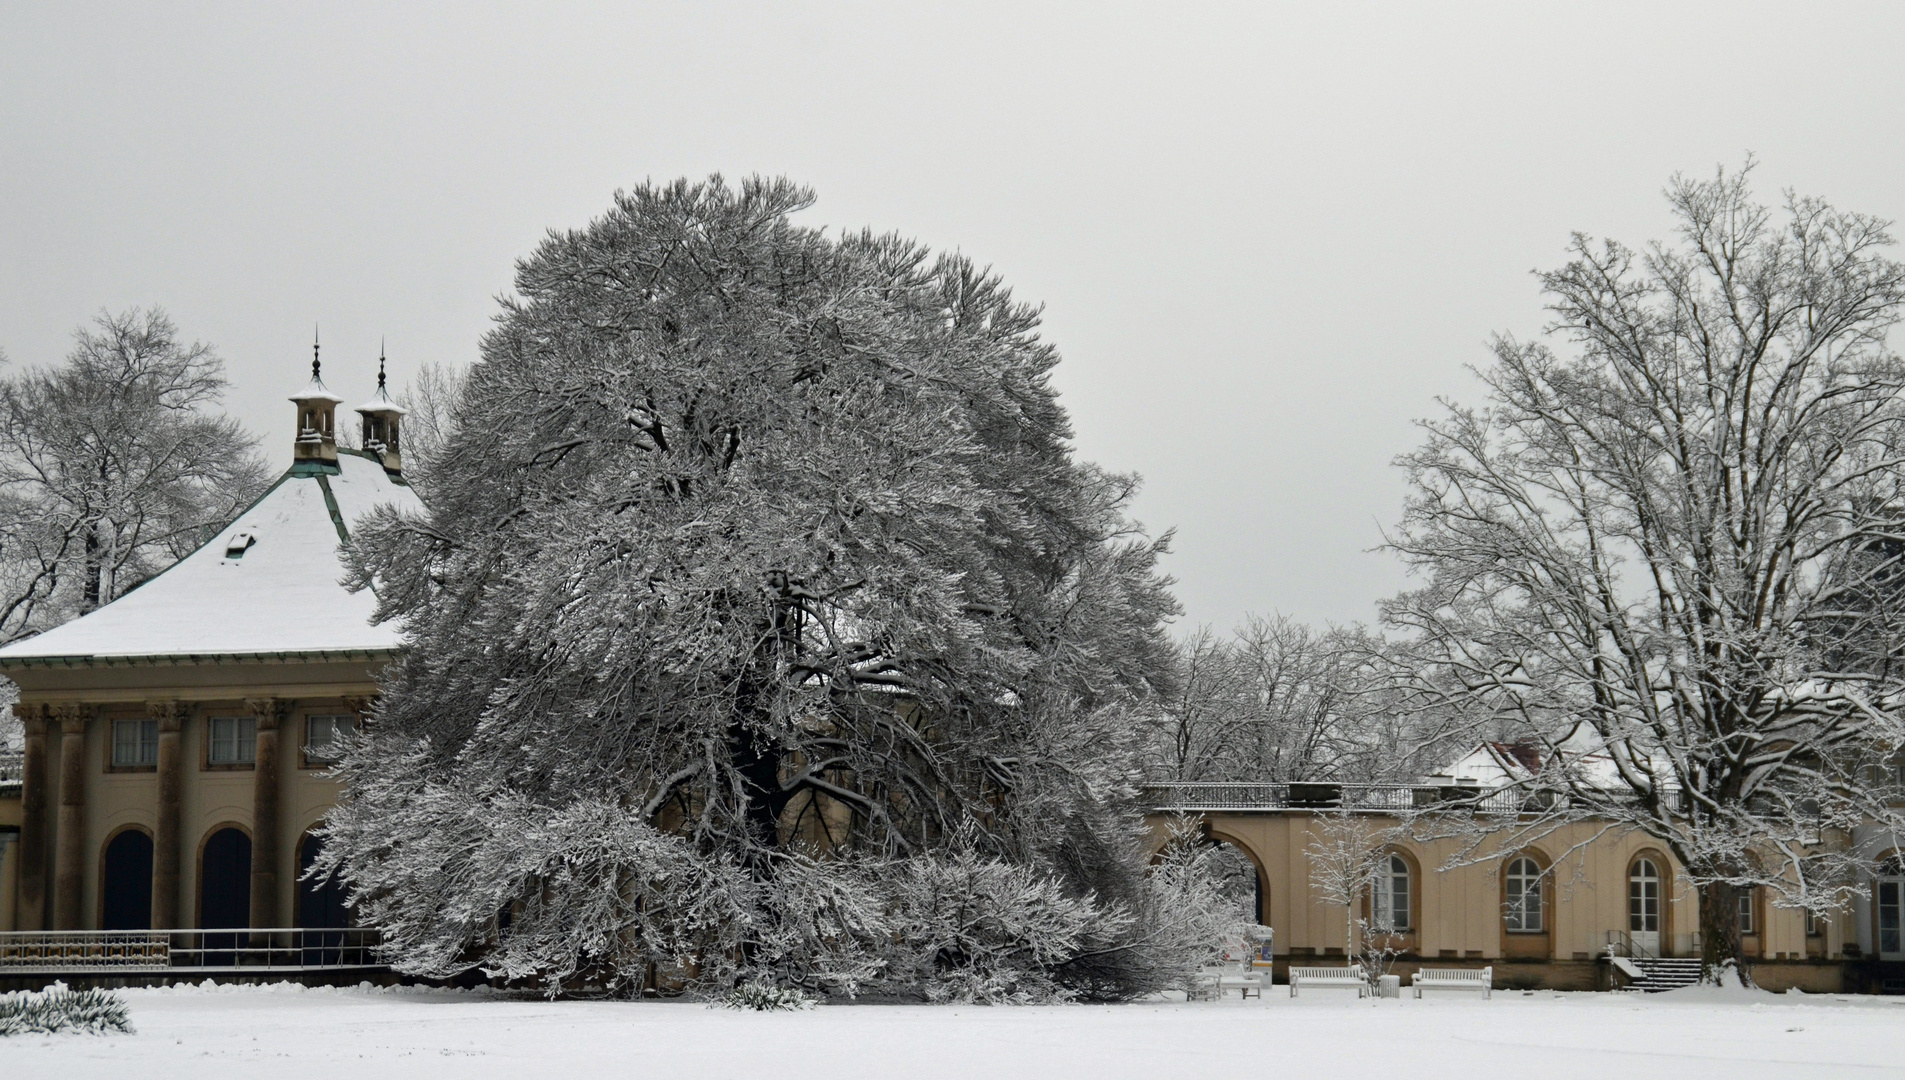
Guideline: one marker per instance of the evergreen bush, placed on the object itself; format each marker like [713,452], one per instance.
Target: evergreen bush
[57,1008]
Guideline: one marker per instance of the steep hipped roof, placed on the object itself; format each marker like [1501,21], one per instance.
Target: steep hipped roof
[269,584]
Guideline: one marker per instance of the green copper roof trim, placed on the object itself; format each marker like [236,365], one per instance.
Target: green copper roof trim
[313,468]
[330,503]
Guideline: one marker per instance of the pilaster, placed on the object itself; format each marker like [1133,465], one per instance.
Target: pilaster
[168,822]
[270,713]
[35,822]
[69,858]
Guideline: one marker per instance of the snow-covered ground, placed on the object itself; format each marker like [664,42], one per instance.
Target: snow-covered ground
[289,1033]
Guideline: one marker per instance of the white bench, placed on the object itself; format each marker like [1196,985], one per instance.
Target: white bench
[1211,983]
[1338,977]
[1482,979]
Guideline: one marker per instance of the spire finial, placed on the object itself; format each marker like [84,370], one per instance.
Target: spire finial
[314,352]
[380,365]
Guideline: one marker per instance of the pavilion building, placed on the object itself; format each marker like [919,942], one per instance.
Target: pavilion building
[177,738]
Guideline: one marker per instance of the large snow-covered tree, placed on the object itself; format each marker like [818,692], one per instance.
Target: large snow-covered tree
[748,547]
[1654,552]
[113,465]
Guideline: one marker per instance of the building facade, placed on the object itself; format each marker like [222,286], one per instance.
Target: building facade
[177,738]
[1585,908]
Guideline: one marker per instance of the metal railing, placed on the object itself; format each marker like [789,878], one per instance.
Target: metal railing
[12,768]
[113,951]
[1193,797]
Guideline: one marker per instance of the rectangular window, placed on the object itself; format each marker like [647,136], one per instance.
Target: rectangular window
[234,740]
[135,743]
[1889,920]
[322,734]
[1815,923]
[1746,911]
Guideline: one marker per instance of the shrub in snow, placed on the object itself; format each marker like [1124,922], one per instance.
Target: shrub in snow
[56,1008]
[763,998]
[967,925]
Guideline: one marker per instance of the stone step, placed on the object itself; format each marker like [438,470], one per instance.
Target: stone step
[1670,973]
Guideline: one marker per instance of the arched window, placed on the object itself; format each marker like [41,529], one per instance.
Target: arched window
[1523,911]
[126,886]
[1390,906]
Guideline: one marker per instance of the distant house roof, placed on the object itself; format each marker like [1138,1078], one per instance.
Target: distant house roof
[270,584]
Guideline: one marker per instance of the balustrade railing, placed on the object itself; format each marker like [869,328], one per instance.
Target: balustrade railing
[12,768]
[112,951]
[1216,796]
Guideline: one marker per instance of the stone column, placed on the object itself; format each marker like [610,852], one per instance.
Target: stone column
[69,858]
[168,824]
[31,913]
[264,813]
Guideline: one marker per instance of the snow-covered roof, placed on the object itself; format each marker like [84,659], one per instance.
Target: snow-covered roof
[315,390]
[269,584]
[381,403]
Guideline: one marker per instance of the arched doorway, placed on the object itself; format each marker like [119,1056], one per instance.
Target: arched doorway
[224,890]
[1643,906]
[1888,894]
[320,907]
[126,882]
[1242,884]
[320,903]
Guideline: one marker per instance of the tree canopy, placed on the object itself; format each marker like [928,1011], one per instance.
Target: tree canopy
[113,465]
[748,546]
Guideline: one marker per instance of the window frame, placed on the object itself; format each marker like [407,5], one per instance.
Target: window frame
[1636,905]
[1383,896]
[140,741]
[320,760]
[1515,905]
[1749,910]
[235,763]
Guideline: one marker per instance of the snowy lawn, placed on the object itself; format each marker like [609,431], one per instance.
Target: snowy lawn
[289,1033]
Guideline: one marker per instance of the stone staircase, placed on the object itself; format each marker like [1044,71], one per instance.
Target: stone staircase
[1670,973]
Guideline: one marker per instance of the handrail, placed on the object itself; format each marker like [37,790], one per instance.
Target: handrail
[301,948]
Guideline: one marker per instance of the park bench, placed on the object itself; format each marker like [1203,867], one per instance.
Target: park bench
[1482,979]
[1212,982]
[1340,977]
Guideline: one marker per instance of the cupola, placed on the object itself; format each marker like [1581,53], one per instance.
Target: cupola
[382,419]
[317,420]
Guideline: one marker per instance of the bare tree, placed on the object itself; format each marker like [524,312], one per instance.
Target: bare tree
[431,403]
[113,465]
[1646,552]
[1345,854]
[1279,700]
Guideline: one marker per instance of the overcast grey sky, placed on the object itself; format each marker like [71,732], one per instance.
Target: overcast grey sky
[1266,236]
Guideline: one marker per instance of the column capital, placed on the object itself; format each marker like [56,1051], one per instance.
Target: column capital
[169,714]
[72,716]
[361,705]
[33,717]
[269,711]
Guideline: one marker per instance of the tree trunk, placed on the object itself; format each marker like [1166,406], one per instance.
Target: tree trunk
[1720,933]
[90,598]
